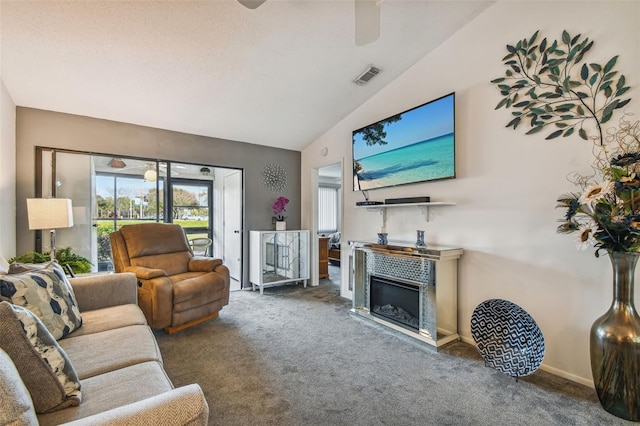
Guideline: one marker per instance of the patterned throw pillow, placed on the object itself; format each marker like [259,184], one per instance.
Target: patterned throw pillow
[19,268]
[43,365]
[47,293]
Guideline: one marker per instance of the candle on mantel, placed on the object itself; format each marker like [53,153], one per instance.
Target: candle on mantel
[383,230]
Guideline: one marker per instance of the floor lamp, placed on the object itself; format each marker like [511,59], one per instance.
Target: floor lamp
[50,213]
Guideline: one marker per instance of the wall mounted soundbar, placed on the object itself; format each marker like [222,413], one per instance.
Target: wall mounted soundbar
[407,200]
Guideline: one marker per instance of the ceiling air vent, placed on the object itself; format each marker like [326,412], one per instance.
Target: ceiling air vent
[367,75]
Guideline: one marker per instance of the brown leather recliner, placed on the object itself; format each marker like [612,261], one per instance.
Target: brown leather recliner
[175,288]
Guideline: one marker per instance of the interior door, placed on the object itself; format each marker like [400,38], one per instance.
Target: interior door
[232,189]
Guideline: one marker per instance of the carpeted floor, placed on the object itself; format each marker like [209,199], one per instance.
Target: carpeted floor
[295,356]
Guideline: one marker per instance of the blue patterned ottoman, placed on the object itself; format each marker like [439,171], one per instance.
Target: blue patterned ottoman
[507,337]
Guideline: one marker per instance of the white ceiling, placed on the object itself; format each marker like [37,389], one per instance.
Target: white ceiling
[280,75]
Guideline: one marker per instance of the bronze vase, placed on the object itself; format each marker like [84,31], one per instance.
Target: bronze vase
[615,344]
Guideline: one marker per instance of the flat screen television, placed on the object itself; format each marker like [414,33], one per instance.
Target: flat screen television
[417,145]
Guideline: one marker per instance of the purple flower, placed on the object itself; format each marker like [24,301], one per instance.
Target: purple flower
[279,207]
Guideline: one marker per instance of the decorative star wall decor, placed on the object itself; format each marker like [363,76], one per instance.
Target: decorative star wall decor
[274,178]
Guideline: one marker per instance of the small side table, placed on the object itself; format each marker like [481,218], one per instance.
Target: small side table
[278,257]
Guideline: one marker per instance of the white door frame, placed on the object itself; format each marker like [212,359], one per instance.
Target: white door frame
[315,255]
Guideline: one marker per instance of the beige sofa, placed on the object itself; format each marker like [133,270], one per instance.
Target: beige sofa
[118,362]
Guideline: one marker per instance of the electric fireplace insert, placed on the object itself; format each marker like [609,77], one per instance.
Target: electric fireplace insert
[396,301]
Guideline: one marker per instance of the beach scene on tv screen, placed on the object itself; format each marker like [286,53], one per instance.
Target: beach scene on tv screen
[413,146]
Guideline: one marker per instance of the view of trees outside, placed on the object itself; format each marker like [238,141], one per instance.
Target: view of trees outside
[123,200]
[135,198]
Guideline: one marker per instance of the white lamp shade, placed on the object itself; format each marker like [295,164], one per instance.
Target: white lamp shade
[49,213]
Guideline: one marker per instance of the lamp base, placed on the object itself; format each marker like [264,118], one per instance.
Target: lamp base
[53,245]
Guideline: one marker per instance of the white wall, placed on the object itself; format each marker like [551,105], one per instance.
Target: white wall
[7,173]
[507,183]
[7,168]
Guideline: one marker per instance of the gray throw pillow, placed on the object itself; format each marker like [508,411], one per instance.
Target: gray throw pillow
[17,408]
[43,365]
[19,268]
[47,293]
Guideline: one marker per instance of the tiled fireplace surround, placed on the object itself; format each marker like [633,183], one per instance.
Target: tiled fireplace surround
[431,270]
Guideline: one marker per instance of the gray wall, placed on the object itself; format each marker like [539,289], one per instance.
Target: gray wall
[64,131]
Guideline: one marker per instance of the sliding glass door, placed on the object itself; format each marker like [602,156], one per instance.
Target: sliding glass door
[192,207]
[122,199]
[71,175]
[108,192]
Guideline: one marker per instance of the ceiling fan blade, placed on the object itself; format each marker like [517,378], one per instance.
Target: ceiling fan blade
[367,21]
[251,4]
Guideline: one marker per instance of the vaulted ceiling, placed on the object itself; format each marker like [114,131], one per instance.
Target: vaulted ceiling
[279,75]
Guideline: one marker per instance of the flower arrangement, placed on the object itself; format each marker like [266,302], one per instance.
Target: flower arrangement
[605,213]
[279,208]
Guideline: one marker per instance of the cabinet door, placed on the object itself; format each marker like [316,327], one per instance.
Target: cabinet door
[323,257]
[303,255]
[284,256]
[269,256]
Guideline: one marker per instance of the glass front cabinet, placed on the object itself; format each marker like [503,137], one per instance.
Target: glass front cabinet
[278,257]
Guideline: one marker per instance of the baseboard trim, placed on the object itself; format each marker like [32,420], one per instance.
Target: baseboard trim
[565,375]
[548,369]
[171,330]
